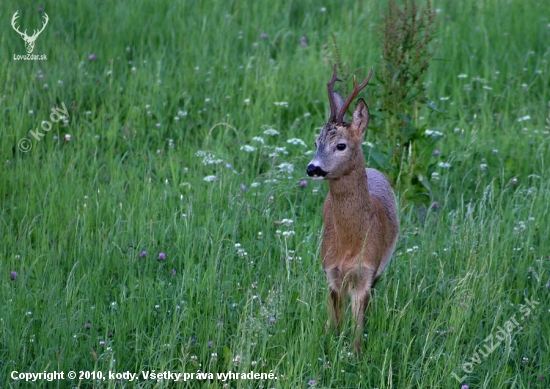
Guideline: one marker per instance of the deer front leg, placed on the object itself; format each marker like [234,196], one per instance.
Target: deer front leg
[335,299]
[335,304]
[360,297]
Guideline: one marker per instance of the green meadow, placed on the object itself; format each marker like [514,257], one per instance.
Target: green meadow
[158,218]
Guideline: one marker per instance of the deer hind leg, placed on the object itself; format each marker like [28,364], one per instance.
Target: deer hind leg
[335,299]
[360,297]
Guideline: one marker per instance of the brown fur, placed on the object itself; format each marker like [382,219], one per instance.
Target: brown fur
[360,220]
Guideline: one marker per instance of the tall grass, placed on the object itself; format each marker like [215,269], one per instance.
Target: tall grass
[83,222]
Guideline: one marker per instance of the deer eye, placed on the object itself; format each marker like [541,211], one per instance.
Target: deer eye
[341,146]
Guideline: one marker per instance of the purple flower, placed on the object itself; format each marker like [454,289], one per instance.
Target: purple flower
[263,36]
[173,272]
[162,256]
[464,387]
[311,382]
[87,326]
[243,187]
[271,320]
[210,344]
[220,324]
[228,165]
[40,9]
[435,205]
[13,275]
[304,41]
[143,254]
[436,152]
[91,57]
[303,183]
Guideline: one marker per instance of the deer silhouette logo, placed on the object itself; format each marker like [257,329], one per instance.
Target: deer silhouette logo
[29,40]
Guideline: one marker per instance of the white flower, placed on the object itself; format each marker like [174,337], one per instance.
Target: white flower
[248,148]
[254,184]
[288,234]
[433,132]
[281,103]
[296,141]
[209,178]
[286,167]
[287,222]
[462,76]
[444,165]
[258,139]
[208,158]
[524,118]
[271,132]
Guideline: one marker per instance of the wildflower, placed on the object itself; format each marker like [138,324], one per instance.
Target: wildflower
[243,187]
[303,41]
[281,103]
[303,183]
[483,166]
[444,165]
[162,256]
[210,344]
[173,272]
[435,205]
[228,165]
[462,76]
[67,137]
[311,382]
[258,139]
[464,387]
[87,326]
[247,101]
[527,117]
[286,167]
[13,275]
[209,178]
[436,152]
[143,254]
[264,36]
[271,132]
[296,141]
[248,148]
[271,320]
[433,132]
[91,57]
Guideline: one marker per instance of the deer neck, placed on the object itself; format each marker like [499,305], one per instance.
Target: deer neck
[351,204]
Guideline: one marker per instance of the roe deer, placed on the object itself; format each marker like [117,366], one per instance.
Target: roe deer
[359,214]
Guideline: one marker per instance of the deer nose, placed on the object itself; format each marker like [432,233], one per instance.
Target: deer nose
[315,171]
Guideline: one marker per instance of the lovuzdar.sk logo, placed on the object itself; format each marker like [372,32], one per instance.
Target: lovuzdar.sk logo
[29,39]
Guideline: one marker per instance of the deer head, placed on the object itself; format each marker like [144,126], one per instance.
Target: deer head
[339,143]
[29,40]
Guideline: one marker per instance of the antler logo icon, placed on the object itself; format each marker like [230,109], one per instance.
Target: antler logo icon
[29,40]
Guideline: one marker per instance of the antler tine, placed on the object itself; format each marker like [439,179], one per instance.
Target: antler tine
[356,90]
[330,85]
[44,23]
[13,19]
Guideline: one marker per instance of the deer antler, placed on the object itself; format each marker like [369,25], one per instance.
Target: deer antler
[36,33]
[333,107]
[15,16]
[356,90]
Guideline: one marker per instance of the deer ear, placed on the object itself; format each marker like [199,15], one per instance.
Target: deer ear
[361,117]
[339,101]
